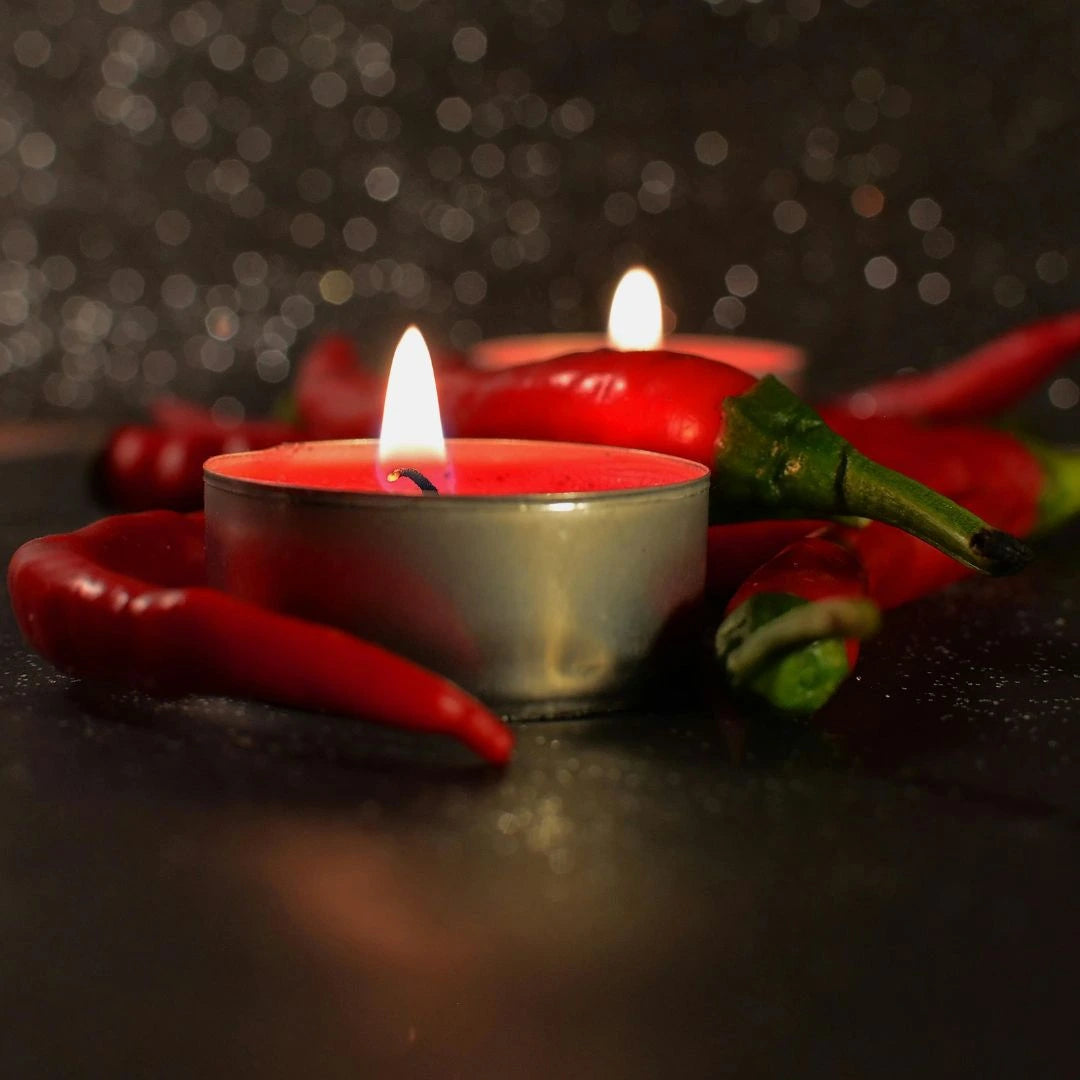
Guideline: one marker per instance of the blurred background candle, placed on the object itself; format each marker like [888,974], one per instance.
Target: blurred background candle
[193,196]
[518,579]
[637,320]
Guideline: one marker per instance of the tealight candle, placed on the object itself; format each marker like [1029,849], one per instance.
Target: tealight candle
[547,578]
[636,321]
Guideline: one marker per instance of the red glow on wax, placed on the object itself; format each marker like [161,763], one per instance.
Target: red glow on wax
[481,467]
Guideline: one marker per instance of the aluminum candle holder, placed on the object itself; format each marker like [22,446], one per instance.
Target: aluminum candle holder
[542,603]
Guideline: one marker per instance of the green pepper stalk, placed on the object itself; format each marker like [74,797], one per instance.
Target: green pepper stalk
[791,633]
[779,454]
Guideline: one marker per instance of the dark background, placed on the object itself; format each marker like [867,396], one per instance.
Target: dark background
[214,888]
[193,192]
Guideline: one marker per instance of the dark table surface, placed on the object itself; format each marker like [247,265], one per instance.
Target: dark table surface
[214,888]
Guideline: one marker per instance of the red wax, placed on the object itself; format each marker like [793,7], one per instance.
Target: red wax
[477,467]
[754,355]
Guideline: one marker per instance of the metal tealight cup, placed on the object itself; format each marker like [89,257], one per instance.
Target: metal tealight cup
[540,605]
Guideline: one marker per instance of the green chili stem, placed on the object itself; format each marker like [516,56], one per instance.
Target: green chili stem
[778,457]
[896,499]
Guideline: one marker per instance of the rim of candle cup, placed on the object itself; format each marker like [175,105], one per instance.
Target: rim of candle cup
[288,492]
[786,359]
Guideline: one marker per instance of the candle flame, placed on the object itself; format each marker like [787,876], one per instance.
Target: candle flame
[412,430]
[637,317]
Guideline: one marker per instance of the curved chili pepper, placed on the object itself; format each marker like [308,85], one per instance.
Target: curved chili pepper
[125,600]
[978,385]
[1027,489]
[658,400]
[956,461]
[142,467]
[770,454]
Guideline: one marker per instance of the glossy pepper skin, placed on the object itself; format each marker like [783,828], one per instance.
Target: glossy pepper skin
[655,400]
[979,385]
[125,600]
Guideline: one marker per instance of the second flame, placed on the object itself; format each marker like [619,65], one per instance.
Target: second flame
[636,320]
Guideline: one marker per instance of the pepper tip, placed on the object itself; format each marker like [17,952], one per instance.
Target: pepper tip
[1002,552]
[489,736]
[499,746]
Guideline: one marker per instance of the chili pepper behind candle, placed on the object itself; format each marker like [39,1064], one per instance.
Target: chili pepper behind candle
[337,397]
[681,405]
[770,454]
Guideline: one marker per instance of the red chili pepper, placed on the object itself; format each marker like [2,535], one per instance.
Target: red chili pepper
[336,396]
[736,551]
[144,467]
[125,600]
[771,455]
[658,400]
[1023,488]
[978,385]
